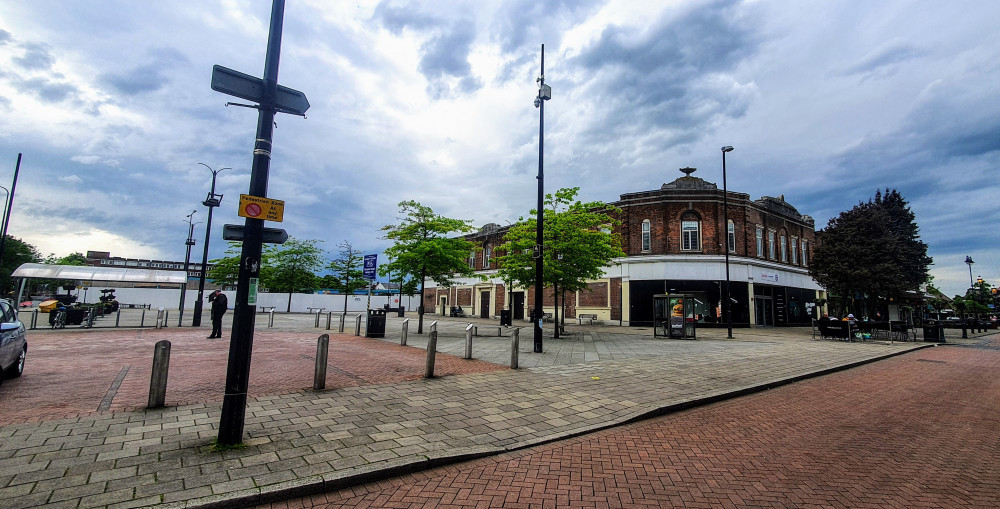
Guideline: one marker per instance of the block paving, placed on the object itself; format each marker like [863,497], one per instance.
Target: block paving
[302,442]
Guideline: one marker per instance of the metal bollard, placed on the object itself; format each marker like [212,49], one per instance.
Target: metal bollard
[166,314]
[357,325]
[142,319]
[159,318]
[343,317]
[270,319]
[317,320]
[34,319]
[431,350]
[406,328]
[434,326]
[322,352]
[514,340]
[468,341]
[329,317]
[158,379]
[118,317]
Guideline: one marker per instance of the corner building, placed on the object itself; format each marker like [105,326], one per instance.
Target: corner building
[674,240]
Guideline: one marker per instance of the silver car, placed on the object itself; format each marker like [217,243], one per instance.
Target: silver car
[13,342]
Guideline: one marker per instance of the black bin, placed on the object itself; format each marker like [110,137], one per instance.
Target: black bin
[933,331]
[375,327]
[505,317]
[402,311]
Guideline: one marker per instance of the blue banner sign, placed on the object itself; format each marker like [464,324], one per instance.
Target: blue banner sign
[370,265]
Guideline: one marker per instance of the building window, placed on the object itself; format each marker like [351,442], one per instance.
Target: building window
[690,236]
[770,245]
[784,249]
[731,236]
[486,256]
[795,251]
[805,254]
[760,242]
[472,259]
[646,243]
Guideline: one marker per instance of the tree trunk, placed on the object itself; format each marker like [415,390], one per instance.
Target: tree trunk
[289,309]
[555,309]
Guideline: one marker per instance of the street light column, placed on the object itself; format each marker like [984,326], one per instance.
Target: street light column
[213,200]
[544,94]
[969,262]
[187,260]
[725,247]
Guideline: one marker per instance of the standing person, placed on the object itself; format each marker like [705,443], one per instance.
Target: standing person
[219,306]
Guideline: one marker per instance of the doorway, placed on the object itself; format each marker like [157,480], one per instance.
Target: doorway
[764,306]
[444,306]
[518,299]
[484,305]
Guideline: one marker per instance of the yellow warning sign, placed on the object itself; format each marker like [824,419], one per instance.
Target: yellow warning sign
[256,207]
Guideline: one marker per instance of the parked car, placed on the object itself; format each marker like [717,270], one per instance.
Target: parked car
[13,342]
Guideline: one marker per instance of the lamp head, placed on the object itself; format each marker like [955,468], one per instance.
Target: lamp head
[727,148]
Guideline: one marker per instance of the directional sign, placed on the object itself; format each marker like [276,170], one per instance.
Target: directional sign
[258,207]
[370,264]
[270,235]
[247,87]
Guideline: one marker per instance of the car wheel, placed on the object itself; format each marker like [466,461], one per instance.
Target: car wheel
[18,369]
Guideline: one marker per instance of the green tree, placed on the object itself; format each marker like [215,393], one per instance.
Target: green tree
[578,244]
[53,285]
[424,250]
[291,267]
[15,253]
[347,274]
[874,249]
[225,271]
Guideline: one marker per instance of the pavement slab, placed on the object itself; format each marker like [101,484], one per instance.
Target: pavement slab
[304,442]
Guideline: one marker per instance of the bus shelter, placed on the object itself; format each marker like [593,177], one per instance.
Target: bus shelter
[673,316]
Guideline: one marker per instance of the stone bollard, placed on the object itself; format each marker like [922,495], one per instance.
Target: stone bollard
[158,379]
[432,343]
[468,341]
[343,317]
[514,345]
[357,325]
[159,318]
[322,352]
[406,329]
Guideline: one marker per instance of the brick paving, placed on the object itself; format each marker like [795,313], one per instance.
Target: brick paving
[304,442]
[912,431]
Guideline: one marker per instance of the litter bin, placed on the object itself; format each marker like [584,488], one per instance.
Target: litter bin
[375,327]
[505,317]
[402,311]
[933,331]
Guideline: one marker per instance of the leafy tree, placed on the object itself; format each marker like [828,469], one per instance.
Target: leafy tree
[53,285]
[15,253]
[347,274]
[874,249]
[424,250]
[291,267]
[579,243]
[226,270]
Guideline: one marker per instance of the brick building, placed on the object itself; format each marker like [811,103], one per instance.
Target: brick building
[673,238]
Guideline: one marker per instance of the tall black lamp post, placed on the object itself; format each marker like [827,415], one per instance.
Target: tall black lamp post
[213,200]
[725,217]
[544,94]
[969,262]
[187,260]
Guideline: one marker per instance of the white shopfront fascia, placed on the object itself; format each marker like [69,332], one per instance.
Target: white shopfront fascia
[713,268]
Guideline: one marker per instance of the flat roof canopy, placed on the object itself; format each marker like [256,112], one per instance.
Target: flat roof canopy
[89,273]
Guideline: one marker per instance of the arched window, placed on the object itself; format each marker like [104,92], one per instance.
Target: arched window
[690,232]
[646,240]
[731,236]
[472,259]
[487,251]
[794,250]
[770,244]
[784,248]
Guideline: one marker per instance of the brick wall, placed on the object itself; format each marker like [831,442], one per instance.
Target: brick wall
[616,299]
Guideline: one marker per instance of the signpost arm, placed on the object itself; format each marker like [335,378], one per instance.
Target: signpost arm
[241,342]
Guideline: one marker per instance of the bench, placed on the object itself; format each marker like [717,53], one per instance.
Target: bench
[546,317]
[834,329]
[318,310]
[585,316]
[266,309]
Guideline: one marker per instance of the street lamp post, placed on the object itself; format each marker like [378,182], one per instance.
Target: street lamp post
[725,216]
[213,200]
[544,94]
[8,207]
[969,262]
[187,260]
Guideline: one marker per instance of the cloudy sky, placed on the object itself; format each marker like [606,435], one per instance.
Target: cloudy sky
[826,102]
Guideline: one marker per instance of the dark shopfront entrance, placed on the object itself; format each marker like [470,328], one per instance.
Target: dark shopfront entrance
[781,305]
[707,296]
[518,300]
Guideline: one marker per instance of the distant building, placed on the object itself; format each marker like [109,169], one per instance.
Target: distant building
[104,259]
[673,238]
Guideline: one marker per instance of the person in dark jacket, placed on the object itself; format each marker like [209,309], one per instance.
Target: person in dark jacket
[219,306]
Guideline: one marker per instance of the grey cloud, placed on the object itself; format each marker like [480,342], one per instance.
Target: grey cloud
[36,57]
[5,37]
[529,22]
[147,77]
[883,61]
[398,17]
[46,89]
